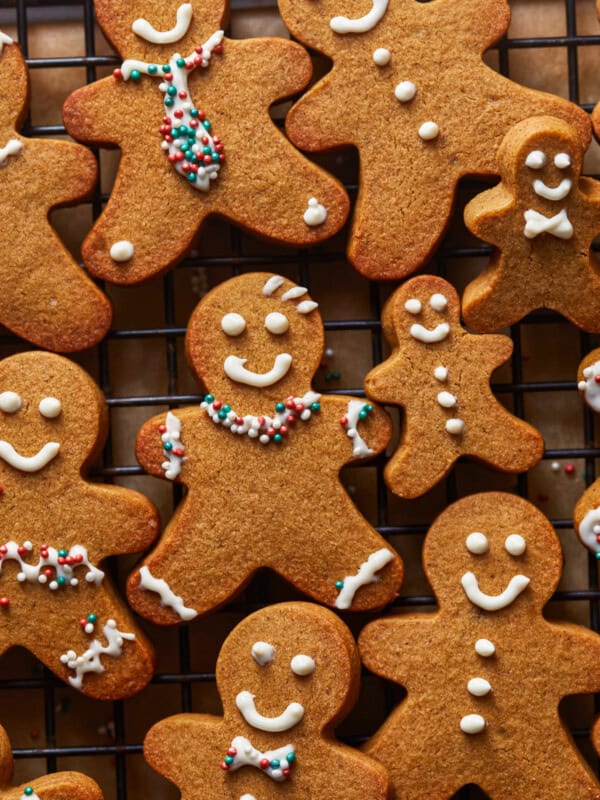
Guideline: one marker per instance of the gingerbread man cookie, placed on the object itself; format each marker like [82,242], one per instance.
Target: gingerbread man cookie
[486,673]
[57,786]
[542,218]
[287,676]
[261,460]
[55,598]
[440,375]
[410,91]
[189,110]
[44,296]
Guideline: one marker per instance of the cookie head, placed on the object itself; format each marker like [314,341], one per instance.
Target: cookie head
[541,158]
[492,553]
[289,667]
[424,310]
[155,31]
[255,340]
[51,415]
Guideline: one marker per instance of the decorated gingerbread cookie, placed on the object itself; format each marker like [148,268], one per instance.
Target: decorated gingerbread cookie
[440,375]
[587,511]
[425,111]
[44,296]
[486,673]
[58,786]
[287,675]
[189,110]
[542,218]
[55,598]
[261,458]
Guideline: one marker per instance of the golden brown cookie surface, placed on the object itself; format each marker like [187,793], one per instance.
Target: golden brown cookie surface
[261,460]
[44,296]
[440,375]
[409,89]
[56,599]
[542,218]
[196,138]
[485,674]
[286,675]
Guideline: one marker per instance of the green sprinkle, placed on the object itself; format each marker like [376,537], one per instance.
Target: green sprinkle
[181,62]
[315,406]
[61,581]
[279,407]
[92,618]
[172,91]
[275,763]
[135,75]
[277,438]
[166,68]
[63,553]
[339,584]
[28,790]
[209,398]
[169,101]
[291,757]
[168,446]
[228,759]
[152,69]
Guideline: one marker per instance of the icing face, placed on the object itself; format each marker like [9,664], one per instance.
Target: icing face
[364,24]
[549,169]
[288,718]
[142,28]
[478,545]
[49,408]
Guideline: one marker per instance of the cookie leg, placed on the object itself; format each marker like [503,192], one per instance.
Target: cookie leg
[491,303]
[564,774]
[581,303]
[417,467]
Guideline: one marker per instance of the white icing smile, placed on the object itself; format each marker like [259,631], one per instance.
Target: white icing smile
[423,334]
[363,24]
[288,719]
[29,463]
[495,602]
[557,193]
[235,369]
[146,31]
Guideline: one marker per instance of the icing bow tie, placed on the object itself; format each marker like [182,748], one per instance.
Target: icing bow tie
[559,225]
[274,763]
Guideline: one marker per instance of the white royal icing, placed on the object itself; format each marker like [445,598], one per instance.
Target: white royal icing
[12,149]
[29,463]
[289,718]
[488,602]
[447,399]
[168,598]
[50,407]
[562,160]
[122,251]
[172,435]
[363,24]
[455,426]
[91,659]
[413,306]
[472,724]
[263,653]
[4,39]
[315,214]
[271,286]
[515,544]
[559,225]
[536,160]
[382,56]
[553,193]
[233,324]
[10,402]
[277,323]
[295,293]
[405,91]
[477,543]
[32,796]
[440,374]
[429,131]
[479,687]
[589,530]
[236,371]
[438,302]
[249,756]
[590,386]
[142,28]
[302,665]
[360,449]
[485,648]
[247,797]
[306,306]
[423,334]
[51,559]
[366,574]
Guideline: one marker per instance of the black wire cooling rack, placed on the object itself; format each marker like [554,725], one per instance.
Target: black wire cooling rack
[233,258]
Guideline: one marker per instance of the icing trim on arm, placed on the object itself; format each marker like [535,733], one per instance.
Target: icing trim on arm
[357,410]
[488,602]
[589,530]
[168,598]
[90,660]
[29,463]
[366,574]
[289,718]
[5,39]
[590,386]
[173,449]
[362,24]
[142,28]
[14,147]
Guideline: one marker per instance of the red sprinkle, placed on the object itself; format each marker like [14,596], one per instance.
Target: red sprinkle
[199,49]
[178,113]
[218,48]
[117,75]
[231,751]
[217,405]
[83,622]
[344,421]
[225,766]
[570,469]
[286,772]
[597,378]
[4,602]
[264,763]
[290,419]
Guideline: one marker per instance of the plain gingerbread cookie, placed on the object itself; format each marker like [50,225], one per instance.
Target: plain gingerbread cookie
[440,374]
[542,218]
[485,674]
[44,296]
[55,599]
[261,459]
[287,675]
[410,91]
[57,786]
[189,111]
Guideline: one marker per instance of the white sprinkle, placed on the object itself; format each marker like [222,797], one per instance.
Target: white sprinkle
[429,131]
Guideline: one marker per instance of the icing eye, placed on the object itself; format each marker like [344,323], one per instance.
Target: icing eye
[50,407]
[10,402]
[263,653]
[233,324]
[413,306]
[515,545]
[276,323]
[562,160]
[477,543]
[302,665]
[438,302]
[536,160]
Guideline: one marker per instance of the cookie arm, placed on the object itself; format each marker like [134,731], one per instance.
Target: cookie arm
[577,655]
[373,431]
[71,785]
[397,647]
[92,113]
[125,521]
[75,165]
[485,216]
[171,743]
[283,69]
[149,449]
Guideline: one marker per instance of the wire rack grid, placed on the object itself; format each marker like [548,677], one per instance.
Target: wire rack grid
[234,260]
